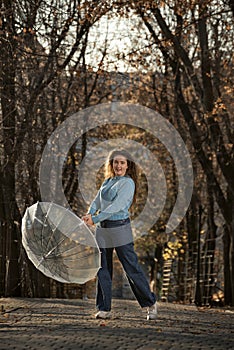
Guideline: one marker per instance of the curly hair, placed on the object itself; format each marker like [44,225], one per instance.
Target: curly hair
[132,170]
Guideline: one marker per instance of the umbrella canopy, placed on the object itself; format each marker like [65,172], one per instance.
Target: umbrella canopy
[59,243]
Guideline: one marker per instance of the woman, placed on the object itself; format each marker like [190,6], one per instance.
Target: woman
[110,212]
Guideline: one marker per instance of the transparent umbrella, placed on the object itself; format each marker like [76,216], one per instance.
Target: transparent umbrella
[59,243]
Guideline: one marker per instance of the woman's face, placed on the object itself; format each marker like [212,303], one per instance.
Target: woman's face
[120,165]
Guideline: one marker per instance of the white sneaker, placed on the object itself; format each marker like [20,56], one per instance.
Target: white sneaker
[103,314]
[152,312]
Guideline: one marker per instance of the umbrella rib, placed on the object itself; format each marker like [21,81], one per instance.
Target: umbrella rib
[46,256]
[75,254]
[53,230]
[59,254]
[60,242]
[46,219]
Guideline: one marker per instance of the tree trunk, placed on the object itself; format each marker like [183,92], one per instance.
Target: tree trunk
[231,245]
[198,294]
[10,230]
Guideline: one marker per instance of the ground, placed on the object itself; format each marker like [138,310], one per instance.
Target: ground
[70,324]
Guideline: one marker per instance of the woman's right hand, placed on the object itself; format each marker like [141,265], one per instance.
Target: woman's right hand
[88,219]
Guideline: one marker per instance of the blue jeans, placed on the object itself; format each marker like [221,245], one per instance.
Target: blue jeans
[135,275]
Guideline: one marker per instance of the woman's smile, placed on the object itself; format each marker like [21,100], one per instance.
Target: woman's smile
[120,165]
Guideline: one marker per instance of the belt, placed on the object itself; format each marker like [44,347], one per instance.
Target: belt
[114,223]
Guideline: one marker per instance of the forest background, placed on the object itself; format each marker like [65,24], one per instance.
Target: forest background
[176,57]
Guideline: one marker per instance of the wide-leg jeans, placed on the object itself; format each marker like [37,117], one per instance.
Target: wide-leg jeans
[135,275]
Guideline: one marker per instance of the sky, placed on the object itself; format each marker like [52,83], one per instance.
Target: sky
[120,36]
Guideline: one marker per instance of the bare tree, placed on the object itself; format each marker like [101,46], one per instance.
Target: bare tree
[39,41]
[191,41]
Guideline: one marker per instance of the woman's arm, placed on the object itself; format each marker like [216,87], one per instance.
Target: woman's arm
[95,205]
